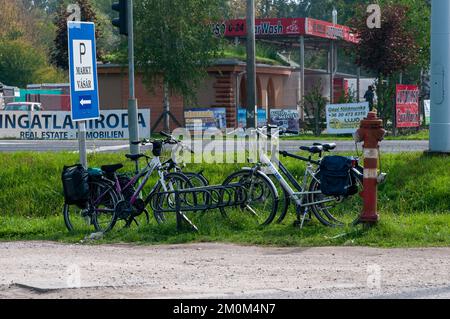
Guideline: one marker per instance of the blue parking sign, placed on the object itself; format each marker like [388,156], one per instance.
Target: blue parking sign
[83,71]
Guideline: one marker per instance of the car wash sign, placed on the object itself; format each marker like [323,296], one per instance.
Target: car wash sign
[83,71]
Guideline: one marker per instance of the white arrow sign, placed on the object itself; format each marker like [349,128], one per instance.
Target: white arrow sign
[85,102]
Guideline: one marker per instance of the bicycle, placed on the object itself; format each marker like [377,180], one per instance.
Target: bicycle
[117,198]
[306,195]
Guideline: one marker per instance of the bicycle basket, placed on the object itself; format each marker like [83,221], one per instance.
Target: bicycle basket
[335,177]
[75,180]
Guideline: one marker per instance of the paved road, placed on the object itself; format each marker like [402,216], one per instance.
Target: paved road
[114,146]
[51,270]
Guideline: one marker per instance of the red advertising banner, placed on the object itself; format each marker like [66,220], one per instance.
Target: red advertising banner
[407,106]
[329,30]
[286,27]
[266,27]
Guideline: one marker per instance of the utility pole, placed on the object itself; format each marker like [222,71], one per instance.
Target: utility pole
[440,80]
[132,102]
[252,109]
[125,25]
[333,59]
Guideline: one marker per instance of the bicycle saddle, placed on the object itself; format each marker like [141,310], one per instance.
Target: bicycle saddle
[109,169]
[326,147]
[313,149]
[134,157]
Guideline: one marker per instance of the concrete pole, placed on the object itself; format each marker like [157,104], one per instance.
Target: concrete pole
[358,85]
[302,79]
[332,60]
[331,69]
[440,79]
[252,110]
[132,102]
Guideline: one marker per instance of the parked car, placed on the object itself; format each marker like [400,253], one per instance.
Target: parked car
[24,106]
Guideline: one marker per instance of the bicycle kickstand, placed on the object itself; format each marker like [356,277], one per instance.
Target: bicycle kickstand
[301,217]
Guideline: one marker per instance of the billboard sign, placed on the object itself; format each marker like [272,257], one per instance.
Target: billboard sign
[242,118]
[112,124]
[270,27]
[205,118]
[287,119]
[407,106]
[345,118]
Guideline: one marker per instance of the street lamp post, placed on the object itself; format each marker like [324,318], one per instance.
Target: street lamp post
[252,110]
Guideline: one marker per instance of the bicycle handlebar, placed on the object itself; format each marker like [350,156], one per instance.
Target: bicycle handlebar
[166,134]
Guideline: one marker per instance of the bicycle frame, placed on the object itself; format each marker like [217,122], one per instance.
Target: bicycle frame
[154,165]
[299,194]
[146,173]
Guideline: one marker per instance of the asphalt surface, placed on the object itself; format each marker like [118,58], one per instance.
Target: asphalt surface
[115,146]
[220,271]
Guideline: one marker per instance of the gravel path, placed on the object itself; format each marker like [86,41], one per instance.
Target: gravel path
[51,270]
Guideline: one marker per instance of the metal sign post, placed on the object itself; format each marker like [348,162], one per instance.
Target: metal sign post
[83,79]
[132,102]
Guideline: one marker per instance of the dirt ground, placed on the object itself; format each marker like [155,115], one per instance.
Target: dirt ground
[52,270]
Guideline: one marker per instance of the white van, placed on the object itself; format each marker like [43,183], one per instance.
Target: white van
[24,106]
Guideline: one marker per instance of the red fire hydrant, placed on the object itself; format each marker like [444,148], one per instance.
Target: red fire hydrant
[372,133]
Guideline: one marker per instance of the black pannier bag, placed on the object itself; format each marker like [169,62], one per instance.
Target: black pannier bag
[75,181]
[335,177]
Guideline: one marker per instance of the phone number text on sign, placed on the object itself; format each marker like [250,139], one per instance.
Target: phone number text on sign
[345,118]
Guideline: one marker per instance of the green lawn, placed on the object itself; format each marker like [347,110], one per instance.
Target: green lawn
[414,207]
[420,136]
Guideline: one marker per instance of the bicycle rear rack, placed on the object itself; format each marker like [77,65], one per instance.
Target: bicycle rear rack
[197,200]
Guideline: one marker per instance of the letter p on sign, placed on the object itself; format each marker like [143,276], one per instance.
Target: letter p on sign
[374,19]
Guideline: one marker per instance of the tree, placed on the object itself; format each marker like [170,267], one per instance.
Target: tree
[386,51]
[174,46]
[315,109]
[22,64]
[59,54]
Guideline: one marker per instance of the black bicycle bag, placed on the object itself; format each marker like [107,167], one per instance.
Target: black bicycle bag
[335,176]
[75,180]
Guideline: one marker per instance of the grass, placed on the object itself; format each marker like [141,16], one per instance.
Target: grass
[414,207]
[422,135]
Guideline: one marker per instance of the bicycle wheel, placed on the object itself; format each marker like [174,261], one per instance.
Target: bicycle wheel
[285,204]
[103,203]
[172,182]
[196,179]
[335,211]
[262,196]
[78,220]
[84,220]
